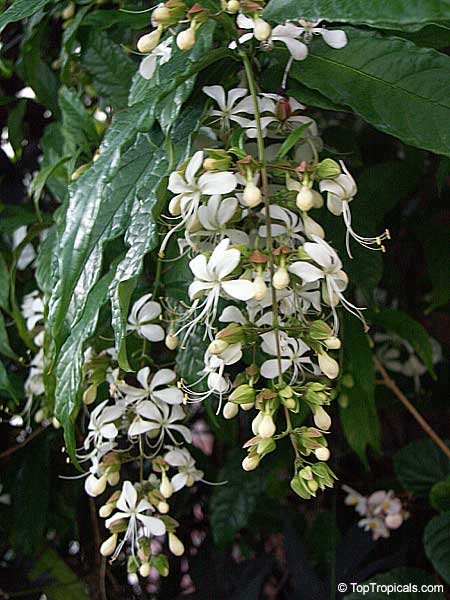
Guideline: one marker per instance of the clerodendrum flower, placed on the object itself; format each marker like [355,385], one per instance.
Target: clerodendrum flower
[152,387]
[228,109]
[143,312]
[160,55]
[133,510]
[292,355]
[101,425]
[335,38]
[159,420]
[181,459]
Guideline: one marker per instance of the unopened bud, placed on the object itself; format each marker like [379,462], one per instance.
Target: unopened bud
[252,195]
[171,341]
[163,507]
[328,169]
[166,488]
[39,415]
[267,427]
[260,288]
[106,511]
[305,199]
[256,421]
[175,545]
[333,343]
[322,453]
[313,486]
[148,42]
[90,394]
[243,394]
[313,228]
[394,521]
[186,39]
[247,405]
[109,545]
[217,347]
[322,419]
[113,478]
[161,15]
[262,30]
[281,279]
[250,463]
[230,410]
[94,487]
[289,403]
[233,6]
[328,366]
[144,569]
[56,424]
[69,11]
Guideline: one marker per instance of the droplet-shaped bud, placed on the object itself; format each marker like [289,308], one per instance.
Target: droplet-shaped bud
[261,30]
[243,394]
[148,42]
[260,288]
[394,521]
[250,463]
[39,415]
[144,569]
[186,39]
[109,545]
[247,405]
[166,488]
[113,478]
[313,228]
[68,12]
[252,195]
[161,15]
[175,545]
[163,507]
[56,424]
[322,419]
[281,279]
[333,343]
[217,347]
[267,427]
[233,6]
[305,199]
[95,486]
[322,453]
[171,341]
[106,510]
[256,421]
[313,486]
[90,394]
[230,410]
[328,366]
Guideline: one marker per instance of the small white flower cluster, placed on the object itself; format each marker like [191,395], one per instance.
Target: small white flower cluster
[381,511]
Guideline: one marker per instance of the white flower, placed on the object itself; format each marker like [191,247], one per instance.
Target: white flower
[214,217]
[376,525]
[228,109]
[101,425]
[278,125]
[160,55]
[188,473]
[336,38]
[32,309]
[384,502]
[291,227]
[355,499]
[153,387]
[159,420]
[28,253]
[292,355]
[130,509]
[143,312]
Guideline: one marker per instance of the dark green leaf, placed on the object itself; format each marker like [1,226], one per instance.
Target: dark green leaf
[291,140]
[69,43]
[440,495]
[438,262]
[103,19]
[400,577]
[6,385]
[63,584]
[77,125]
[409,15]
[20,9]
[436,540]
[15,127]
[420,465]
[190,362]
[358,410]
[394,85]
[4,287]
[5,348]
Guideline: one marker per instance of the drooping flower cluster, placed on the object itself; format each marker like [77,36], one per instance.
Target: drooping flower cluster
[381,511]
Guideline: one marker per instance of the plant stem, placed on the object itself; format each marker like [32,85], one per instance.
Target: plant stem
[390,384]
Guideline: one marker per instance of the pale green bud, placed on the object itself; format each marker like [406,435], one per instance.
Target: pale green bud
[230,410]
[109,545]
[148,42]
[243,394]
[175,545]
[250,463]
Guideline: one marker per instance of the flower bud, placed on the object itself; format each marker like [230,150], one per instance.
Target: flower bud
[394,521]
[266,428]
[322,453]
[281,279]
[328,169]
[256,421]
[252,195]
[163,507]
[322,419]
[166,488]
[109,545]
[305,199]
[333,343]
[148,42]
[260,288]
[243,394]
[313,486]
[56,424]
[233,6]
[175,545]
[186,39]
[250,463]
[289,403]
[161,15]
[261,30]
[39,415]
[175,206]
[247,406]
[93,486]
[313,228]
[319,330]
[230,410]
[113,478]
[171,341]
[90,394]
[328,366]
[144,569]
[317,199]
[217,346]
[68,12]
[106,510]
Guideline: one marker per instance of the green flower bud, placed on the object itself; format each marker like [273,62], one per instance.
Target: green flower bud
[217,347]
[319,330]
[328,169]
[244,394]
[250,463]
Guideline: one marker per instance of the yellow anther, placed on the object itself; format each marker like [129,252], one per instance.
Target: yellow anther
[378,241]
[388,234]
[185,399]
[383,249]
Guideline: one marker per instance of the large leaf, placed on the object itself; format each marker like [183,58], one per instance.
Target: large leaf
[77,125]
[420,465]
[410,15]
[436,539]
[61,581]
[5,348]
[20,9]
[394,85]
[357,407]
[400,582]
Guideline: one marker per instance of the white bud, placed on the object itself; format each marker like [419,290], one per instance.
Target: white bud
[161,15]
[256,421]
[171,341]
[260,288]
[186,39]
[39,415]
[313,228]
[266,428]
[333,343]
[313,486]
[394,521]
[317,199]
[217,346]
[163,507]
[144,569]
[250,463]
[166,488]
[322,453]
[94,487]
[247,406]
[322,419]
[281,279]
[90,394]
[175,545]
[109,545]
[175,206]
[106,510]
[328,366]
[233,6]
[148,42]
[56,424]
[252,195]
[230,410]
[305,199]
[114,478]
[261,30]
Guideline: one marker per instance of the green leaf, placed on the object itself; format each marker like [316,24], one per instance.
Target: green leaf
[5,348]
[233,504]
[4,287]
[6,385]
[402,580]
[291,140]
[64,584]
[391,83]
[357,407]
[77,124]
[436,541]
[110,68]
[410,15]
[103,19]
[21,9]
[420,465]
[440,495]
[438,262]
[68,44]
[401,324]
[189,359]
[15,127]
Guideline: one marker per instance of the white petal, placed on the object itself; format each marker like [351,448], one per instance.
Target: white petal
[194,165]
[199,268]
[148,66]
[142,377]
[307,272]
[226,210]
[269,368]
[217,383]
[170,395]
[183,430]
[335,205]
[241,289]
[177,184]
[138,427]
[298,50]
[162,377]
[153,333]
[149,311]
[217,183]
[217,93]
[223,265]
[179,481]
[149,410]
[232,314]
[109,431]
[336,39]
[244,22]
[320,254]
[155,526]
[235,94]
[128,497]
